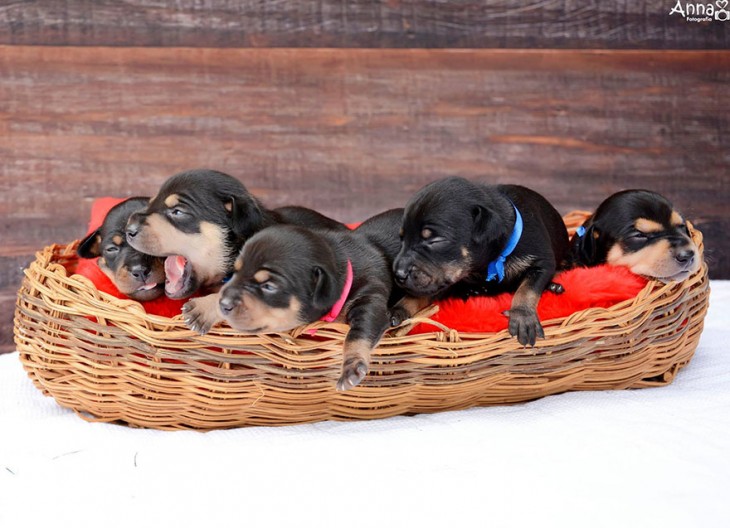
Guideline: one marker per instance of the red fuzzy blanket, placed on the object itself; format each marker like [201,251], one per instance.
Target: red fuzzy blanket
[598,287]
[602,286]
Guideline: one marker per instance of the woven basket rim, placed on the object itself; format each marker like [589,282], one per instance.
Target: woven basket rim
[86,291]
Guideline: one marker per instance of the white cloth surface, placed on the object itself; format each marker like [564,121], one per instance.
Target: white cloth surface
[652,457]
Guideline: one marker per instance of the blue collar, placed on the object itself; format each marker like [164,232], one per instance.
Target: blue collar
[495,269]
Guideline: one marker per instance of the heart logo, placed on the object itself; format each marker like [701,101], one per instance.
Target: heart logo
[721,4]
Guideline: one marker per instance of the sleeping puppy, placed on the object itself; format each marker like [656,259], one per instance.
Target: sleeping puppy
[640,230]
[461,238]
[136,275]
[288,276]
[199,221]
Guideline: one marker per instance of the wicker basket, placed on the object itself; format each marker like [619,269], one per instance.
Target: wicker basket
[110,361]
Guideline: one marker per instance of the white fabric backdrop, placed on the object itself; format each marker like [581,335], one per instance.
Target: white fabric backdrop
[654,457]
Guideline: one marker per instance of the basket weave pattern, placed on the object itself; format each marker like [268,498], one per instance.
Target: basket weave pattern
[108,360]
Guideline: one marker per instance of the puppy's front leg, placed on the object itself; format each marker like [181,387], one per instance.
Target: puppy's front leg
[523,321]
[368,320]
[202,313]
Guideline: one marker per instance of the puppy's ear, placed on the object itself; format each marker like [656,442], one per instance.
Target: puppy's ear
[323,293]
[90,247]
[246,215]
[585,248]
[485,227]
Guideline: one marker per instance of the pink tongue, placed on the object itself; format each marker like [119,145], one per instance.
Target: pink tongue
[174,270]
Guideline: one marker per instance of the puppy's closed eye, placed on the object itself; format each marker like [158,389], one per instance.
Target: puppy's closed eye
[177,213]
[269,287]
[638,236]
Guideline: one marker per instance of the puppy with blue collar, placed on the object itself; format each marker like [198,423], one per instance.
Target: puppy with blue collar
[640,230]
[461,239]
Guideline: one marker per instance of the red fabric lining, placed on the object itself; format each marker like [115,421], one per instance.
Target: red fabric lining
[598,287]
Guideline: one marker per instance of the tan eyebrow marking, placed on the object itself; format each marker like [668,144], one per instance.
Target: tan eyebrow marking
[648,226]
[426,233]
[261,276]
[117,239]
[172,200]
[676,219]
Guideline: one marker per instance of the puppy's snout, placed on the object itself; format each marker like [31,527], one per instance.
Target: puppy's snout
[140,272]
[227,303]
[133,225]
[132,230]
[401,274]
[685,256]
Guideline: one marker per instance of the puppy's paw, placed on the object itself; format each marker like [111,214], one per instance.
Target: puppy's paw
[353,372]
[197,317]
[555,288]
[525,326]
[397,314]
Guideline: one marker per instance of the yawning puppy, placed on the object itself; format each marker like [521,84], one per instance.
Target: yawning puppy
[288,276]
[199,220]
[136,275]
[461,238]
[640,230]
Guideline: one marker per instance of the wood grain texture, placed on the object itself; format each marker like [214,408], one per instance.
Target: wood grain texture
[354,132]
[622,24]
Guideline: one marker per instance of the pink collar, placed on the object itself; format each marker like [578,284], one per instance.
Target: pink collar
[337,307]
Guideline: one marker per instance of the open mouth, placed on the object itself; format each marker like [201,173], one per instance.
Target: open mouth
[149,286]
[177,275]
[147,292]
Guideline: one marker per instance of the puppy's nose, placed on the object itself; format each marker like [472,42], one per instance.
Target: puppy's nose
[140,272]
[401,274]
[132,230]
[227,304]
[685,256]
[133,225]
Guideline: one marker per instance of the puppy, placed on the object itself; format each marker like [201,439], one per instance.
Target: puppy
[135,274]
[461,238]
[288,276]
[640,230]
[199,221]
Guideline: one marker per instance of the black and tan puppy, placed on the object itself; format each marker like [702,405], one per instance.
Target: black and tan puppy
[199,221]
[461,238]
[640,230]
[135,274]
[288,276]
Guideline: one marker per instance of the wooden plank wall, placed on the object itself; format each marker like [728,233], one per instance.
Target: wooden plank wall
[352,131]
[582,24]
